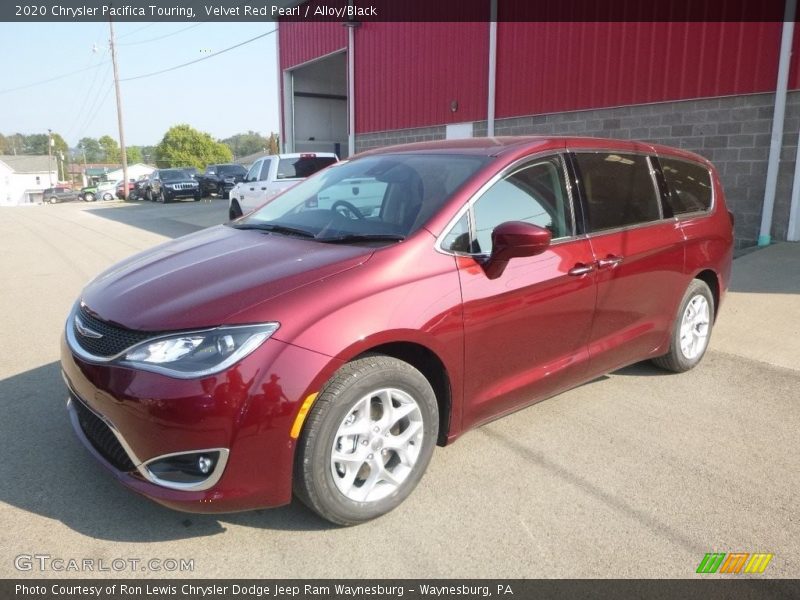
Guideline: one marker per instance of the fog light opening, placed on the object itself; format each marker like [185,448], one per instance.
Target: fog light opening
[184,469]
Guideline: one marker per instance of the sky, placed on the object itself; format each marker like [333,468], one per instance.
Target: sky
[224,95]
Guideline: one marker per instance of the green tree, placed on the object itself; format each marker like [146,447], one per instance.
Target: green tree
[274,145]
[35,143]
[110,148]
[90,147]
[243,144]
[134,154]
[184,146]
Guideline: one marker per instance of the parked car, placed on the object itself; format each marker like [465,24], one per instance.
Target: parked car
[271,175]
[166,185]
[326,351]
[220,179]
[57,194]
[139,188]
[88,193]
[106,190]
[131,187]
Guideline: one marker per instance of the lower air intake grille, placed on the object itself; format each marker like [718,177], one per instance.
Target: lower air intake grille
[102,438]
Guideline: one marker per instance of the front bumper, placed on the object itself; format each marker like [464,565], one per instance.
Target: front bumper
[247,411]
[184,193]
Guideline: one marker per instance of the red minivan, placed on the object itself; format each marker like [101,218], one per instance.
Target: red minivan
[323,344]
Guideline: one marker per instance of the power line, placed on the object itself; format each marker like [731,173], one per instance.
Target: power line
[91,118]
[191,62]
[161,37]
[43,81]
[79,114]
[137,30]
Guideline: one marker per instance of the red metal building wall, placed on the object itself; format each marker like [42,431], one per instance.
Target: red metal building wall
[407,74]
[303,41]
[555,67]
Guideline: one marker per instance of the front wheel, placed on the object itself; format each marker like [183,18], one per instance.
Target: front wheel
[691,331]
[107,197]
[235,211]
[53,200]
[368,440]
[88,197]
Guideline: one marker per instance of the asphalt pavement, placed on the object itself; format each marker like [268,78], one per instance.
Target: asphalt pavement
[637,474]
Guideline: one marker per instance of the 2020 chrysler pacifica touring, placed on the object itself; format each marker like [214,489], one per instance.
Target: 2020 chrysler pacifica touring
[323,344]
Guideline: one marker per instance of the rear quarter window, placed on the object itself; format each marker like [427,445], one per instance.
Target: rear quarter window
[619,189]
[689,186]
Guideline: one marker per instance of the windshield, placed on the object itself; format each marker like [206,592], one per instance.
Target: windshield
[174,175]
[231,170]
[376,197]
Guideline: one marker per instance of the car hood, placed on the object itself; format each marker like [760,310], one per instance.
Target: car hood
[211,278]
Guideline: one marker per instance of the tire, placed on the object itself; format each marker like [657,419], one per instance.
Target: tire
[53,200]
[198,197]
[222,193]
[162,197]
[691,331]
[88,197]
[107,197]
[235,211]
[395,447]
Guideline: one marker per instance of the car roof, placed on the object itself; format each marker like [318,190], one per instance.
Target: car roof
[496,146]
[302,154]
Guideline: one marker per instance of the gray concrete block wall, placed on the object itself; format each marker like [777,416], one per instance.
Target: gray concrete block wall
[368,141]
[733,132]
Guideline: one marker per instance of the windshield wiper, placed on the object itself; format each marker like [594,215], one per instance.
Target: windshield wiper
[363,237]
[274,228]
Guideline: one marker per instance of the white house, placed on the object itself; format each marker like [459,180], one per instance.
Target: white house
[134,172]
[23,178]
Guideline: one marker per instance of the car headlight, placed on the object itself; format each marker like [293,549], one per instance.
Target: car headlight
[193,354]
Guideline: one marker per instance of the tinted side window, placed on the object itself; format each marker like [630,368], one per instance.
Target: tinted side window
[265,169]
[689,186]
[619,189]
[252,174]
[535,193]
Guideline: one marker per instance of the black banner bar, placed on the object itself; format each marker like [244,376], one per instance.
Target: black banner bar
[712,588]
[365,11]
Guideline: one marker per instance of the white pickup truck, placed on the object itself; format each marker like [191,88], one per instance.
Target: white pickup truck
[270,175]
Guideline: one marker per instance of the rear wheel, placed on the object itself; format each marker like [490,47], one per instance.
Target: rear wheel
[88,197]
[235,211]
[368,440]
[691,331]
[107,197]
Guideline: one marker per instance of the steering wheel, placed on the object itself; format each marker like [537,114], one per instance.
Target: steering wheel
[353,211]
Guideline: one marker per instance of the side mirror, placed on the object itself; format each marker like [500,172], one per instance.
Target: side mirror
[515,239]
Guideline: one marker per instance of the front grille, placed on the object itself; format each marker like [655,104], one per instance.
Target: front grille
[102,438]
[114,339]
[183,186]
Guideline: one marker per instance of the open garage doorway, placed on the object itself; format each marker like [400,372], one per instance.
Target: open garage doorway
[315,106]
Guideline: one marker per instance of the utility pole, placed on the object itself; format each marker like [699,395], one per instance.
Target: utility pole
[50,156]
[123,151]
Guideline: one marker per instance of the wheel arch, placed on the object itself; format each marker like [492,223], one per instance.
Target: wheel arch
[427,362]
[711,279]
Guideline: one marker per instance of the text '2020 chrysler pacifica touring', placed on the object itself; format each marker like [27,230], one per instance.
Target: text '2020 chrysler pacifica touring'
[325,343]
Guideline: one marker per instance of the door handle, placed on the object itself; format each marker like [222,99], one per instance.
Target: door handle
[609,261]
[580,269]
[251,189]
[263,188]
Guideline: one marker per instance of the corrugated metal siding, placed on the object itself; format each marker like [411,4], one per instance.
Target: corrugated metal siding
[555,67]
[408,73]
[303,41]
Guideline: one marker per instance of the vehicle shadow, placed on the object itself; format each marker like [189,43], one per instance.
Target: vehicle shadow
[171,220]
[47,471]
